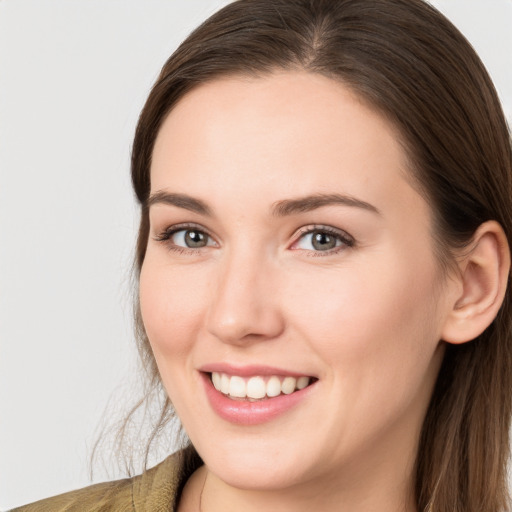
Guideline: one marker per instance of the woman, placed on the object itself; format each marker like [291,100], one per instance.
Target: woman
[323,261]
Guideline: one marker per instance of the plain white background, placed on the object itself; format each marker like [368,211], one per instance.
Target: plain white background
[74,75]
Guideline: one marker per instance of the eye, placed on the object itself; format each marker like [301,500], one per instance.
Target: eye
[323,239]
[185,237]
[191,238]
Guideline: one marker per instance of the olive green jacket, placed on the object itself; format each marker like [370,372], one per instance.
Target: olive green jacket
[156,490]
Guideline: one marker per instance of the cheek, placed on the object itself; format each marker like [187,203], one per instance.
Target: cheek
[172,304]
[373,322]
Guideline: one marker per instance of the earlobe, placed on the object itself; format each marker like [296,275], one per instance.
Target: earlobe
[483,277]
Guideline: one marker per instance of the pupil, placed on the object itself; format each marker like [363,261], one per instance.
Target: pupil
[323,241]
[195,239]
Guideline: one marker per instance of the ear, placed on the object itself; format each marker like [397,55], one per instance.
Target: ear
[482,282]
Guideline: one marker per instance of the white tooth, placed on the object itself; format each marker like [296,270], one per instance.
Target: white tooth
[288,385]
[302,382]
[273,387]
[216,380]
[237,387]
[256,387]
[224,383]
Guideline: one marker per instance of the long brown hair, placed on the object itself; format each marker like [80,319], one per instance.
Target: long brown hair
[411,64]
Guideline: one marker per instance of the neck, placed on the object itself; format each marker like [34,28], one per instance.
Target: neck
[361,490]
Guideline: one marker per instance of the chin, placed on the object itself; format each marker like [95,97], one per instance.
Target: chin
[257,477]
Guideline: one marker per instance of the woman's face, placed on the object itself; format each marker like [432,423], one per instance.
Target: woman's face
[287,247]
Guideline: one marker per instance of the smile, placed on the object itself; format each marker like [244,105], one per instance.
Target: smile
[253,395]
[257,387]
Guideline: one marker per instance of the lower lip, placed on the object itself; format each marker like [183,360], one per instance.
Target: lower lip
[242,412]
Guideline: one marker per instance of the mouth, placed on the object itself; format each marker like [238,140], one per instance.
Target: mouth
[254,395]
[258,387]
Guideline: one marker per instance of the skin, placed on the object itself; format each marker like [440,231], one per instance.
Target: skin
[364,318]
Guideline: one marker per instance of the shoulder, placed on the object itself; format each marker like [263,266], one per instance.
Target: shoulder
[153,491]
[106,496]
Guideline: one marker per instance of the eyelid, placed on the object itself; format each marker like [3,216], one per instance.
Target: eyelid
[173,228]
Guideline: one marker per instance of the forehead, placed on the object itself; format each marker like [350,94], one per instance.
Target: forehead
[289,133]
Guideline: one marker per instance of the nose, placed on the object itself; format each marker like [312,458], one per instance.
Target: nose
[244,302]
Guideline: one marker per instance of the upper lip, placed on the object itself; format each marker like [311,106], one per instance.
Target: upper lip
[250,370]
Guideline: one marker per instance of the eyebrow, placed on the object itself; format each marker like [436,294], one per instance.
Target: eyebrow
[309,203]
[179,200]
[281,208]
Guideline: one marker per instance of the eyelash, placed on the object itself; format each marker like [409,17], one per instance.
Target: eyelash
[346,240]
